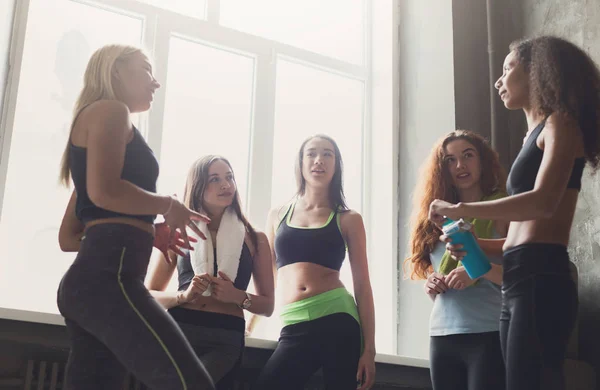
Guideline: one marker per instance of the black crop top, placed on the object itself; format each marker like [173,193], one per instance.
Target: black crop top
[324,246]
[527,164]
[186,272]
[140,167]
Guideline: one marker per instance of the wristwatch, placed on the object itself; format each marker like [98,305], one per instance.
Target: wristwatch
[246,303]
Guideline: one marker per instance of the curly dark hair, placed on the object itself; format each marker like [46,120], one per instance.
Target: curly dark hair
[564,79]
[436,183]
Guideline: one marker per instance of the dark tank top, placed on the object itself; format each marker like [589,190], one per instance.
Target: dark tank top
[186,272]
[524,170]
[140,167]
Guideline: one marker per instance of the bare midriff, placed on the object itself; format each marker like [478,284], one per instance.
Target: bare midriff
[303,280]
[554,230]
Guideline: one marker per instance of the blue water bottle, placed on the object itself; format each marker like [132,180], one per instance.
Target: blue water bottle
[475,261]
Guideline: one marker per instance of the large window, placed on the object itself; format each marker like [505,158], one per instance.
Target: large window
[60,37]
[208,110]
[313,101]
[246,79]
[333,28]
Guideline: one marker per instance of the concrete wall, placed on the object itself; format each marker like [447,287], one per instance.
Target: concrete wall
[477,104]
[471,75]
[578,21]
[426,113]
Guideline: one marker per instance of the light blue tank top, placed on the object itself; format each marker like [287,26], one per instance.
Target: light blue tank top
[475,309]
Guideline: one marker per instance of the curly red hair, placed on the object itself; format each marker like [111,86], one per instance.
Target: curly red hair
[436,183]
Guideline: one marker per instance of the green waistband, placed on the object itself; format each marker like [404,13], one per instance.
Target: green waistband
[334,301]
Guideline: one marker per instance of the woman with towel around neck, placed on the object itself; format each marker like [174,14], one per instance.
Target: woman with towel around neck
[323,327]
[465,340]
[211,298]
[557,85]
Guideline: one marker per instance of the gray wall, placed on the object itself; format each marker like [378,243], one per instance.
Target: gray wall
[471,78]
[426,113]
[477,105]
[578,21]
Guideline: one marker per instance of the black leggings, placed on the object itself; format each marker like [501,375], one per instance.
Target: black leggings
[539,308]
[113,322]
[471,361]
[332,342]
[217,339]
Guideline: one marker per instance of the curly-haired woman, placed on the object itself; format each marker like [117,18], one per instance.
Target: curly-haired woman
[557,86]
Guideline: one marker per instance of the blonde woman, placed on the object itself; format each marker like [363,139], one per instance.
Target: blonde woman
[113,322]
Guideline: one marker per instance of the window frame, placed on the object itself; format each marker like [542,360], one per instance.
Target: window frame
[158,27]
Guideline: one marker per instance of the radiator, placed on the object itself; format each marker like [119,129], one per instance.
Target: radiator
[43,375]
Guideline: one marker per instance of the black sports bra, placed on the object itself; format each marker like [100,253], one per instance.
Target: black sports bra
[527,164]
[324,245]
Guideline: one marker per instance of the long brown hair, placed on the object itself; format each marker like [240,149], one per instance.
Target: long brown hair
[195,186]
[337,199]
[564,79]
[436,183]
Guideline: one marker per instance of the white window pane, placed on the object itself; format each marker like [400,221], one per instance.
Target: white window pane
[311,101]
[193,8]
[6,22]
[333,28]
[61,35]
[208,111]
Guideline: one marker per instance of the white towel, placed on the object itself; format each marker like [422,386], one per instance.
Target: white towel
[230,241]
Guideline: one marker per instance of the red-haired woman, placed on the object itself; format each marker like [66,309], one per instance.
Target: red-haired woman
[464,328]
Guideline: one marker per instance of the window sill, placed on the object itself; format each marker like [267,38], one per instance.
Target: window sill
[56,319]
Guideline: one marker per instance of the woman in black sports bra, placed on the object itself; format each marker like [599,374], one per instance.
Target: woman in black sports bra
[323,327]
[557,86]
[113,322]
[214,324]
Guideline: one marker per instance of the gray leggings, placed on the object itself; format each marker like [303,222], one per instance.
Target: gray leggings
[217,339]
[113,322]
